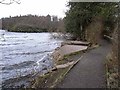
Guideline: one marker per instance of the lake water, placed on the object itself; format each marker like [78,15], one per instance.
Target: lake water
[25,53]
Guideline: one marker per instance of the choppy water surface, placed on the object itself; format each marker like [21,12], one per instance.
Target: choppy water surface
[24,53]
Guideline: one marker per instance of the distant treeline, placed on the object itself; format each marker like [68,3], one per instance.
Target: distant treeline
[33,23]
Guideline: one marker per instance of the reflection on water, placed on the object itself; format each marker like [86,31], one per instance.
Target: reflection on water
[21,53]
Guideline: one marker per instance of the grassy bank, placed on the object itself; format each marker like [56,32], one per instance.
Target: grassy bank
[54,77]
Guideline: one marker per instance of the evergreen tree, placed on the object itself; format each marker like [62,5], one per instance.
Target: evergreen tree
[81,14]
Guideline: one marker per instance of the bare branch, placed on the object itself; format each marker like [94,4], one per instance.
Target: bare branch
[10,2]
[17,1]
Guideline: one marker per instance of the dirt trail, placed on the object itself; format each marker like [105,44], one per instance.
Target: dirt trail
[90,71]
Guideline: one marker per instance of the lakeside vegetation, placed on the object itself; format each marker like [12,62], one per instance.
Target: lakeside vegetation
[92,21]
[85,21]
[33,23]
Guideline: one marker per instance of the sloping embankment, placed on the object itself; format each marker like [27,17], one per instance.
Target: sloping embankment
[68,48]
[64,61]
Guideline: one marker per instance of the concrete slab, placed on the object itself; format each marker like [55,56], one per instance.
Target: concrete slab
[66,50]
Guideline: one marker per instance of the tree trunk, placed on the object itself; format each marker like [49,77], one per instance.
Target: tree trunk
[94,30]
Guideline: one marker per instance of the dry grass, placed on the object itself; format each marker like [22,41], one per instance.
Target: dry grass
[51,79]
[112,64]
[112,73]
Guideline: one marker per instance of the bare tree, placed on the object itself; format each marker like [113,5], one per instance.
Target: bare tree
[8,2]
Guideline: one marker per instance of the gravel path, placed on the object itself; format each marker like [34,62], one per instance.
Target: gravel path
[90,71]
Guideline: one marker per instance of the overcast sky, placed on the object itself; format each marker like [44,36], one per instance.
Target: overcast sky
[34,7]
